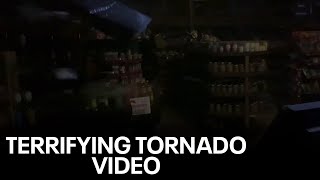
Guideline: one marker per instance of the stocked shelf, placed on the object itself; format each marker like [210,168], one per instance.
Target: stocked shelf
[240,96]
[122,62]
[226,115]
[237,54]
[259,115]
[237,86]
[214,97]
[229,54]
[238,75]
[111,74]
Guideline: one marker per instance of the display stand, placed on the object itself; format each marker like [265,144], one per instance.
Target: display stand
[246,97]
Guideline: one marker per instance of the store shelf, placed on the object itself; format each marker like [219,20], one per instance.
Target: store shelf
[121,75]
[226,115]
[123,63]
[237,75]
[210,52]
[232,75]
[213,97]
[250,95]
[238,54]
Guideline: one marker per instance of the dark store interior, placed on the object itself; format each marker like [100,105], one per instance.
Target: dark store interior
[166,68]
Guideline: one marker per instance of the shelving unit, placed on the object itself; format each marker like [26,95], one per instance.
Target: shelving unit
[246,77]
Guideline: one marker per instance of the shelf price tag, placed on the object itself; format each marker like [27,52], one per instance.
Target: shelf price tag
[140,106]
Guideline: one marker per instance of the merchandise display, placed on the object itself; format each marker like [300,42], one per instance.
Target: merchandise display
[238,47]
[242,74]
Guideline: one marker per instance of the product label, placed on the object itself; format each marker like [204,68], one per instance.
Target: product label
[140,106]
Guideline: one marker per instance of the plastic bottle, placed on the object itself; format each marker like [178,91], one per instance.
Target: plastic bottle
[235,48]
[223,67]
[30,110]
[230,109]
[236,68]
[229,67]
[218,108]
[215,67]
[20,119]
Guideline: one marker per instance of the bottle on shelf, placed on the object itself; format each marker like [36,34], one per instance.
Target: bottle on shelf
[252,68]
[241,68]
[129,54]
[218,108]
[247,46]
[236,68]
[235,89]
[20,119]
[241,49]
[212,108]
[224,90]
[30,110]
[241,89]
[252,46]
[225,108]
[230,90]
[237,109]
[215,48]
[218,90]
[215,67]
[235,47]
[229,67]
[213,89]
[228,48]
[254,107]
[223,67]
[122,57]
[221,49]
[210,67]
[230,109]
[262,66]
